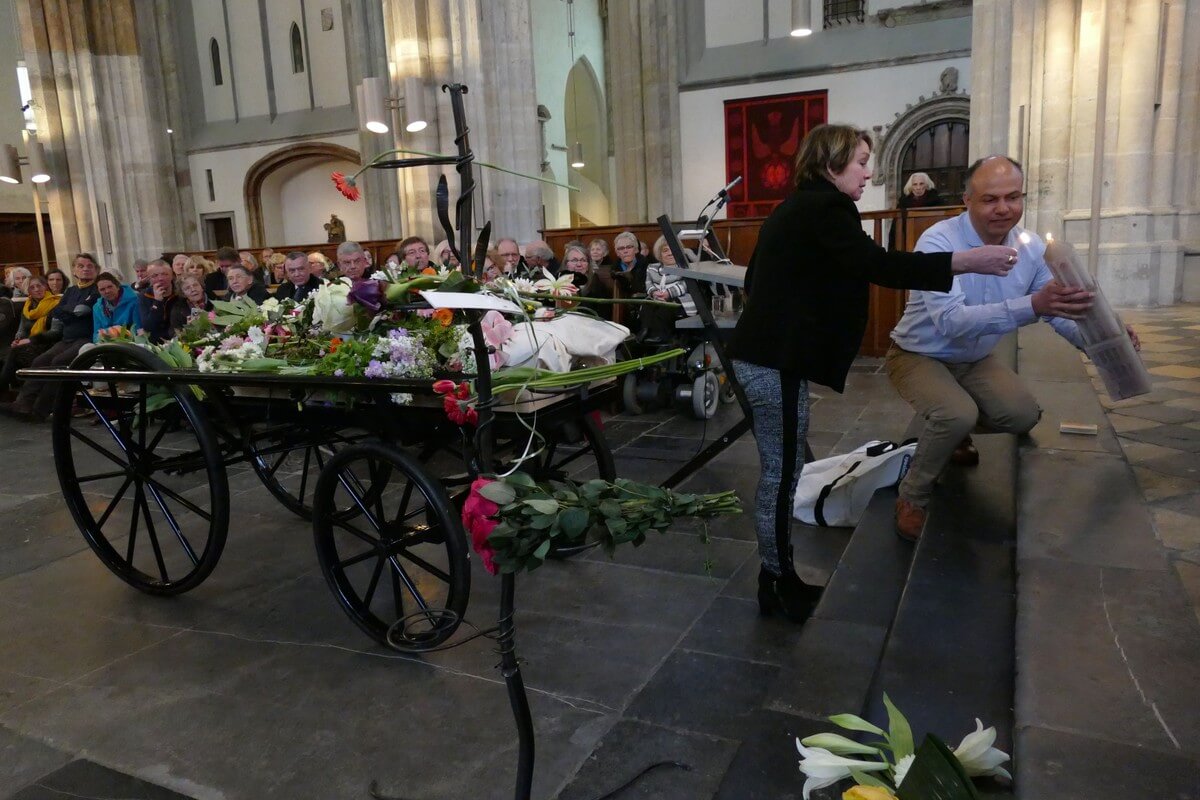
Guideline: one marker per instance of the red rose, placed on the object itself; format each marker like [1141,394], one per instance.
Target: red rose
[478,516]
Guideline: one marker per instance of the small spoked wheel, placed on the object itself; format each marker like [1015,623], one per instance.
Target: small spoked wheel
[141,473]
[288,459]
[706,394]
[391,545]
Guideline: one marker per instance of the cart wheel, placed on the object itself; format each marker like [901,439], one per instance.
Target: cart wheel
[706,392]
[288,460]
[403,557]
[728,395]
[128,469]
[629,394]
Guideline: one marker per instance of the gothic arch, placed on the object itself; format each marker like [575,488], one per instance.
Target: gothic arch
[585,120]
[892,144]
[261,169]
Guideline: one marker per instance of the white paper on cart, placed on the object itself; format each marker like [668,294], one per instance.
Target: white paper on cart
[482,302]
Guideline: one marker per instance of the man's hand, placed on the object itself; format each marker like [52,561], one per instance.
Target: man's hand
[1056,300]
[1133,337]
[660,294]
[160,293]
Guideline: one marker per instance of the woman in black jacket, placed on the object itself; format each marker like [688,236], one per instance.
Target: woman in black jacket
[806,311]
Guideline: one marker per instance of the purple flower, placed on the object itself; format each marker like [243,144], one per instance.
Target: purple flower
[368,294]
[375,369]
[397,333]
[337,373]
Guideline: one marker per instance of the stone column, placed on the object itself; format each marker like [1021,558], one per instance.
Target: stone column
[100,87]
[366,56]
[644,108]
[1150,133]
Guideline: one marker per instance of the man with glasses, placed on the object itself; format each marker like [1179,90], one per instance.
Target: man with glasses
[941,358]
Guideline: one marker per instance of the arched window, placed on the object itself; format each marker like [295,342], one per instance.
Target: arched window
[297,50]
[214,52]
[939,150]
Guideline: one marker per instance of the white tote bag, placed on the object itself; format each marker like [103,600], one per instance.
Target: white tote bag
[835,491]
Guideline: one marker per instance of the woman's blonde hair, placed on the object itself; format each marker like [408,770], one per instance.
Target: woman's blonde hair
[828,148]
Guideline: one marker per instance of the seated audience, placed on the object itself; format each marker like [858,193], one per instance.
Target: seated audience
[919,192]
[300,282]
[157,304]
[179,264]
[276,267]
[318,263]
[216,282]
[15,282]
[57,281]
[598,250]
[196,302]
[198,267]
[10,318]
[415,251]
[257,271]
[31,337]
[71,322]
[586,277]
[242,285]
[140,282]
[445,256]
[539,256]
[118,305]
[658,324]
[352,261]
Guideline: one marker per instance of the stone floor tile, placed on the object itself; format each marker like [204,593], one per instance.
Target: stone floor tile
[1191,387]
[1176,437]
[765,765]
[1176,371]
[84,778]
[1158,347]
[1141,452]
[1159,335]
[1189,576]
[1167,461]
[1061,764]
[1190,403]
[1175,530]
[632,745]
[1122,423]
[732,627]
[1160,413]
[1188,504]
[24,760]
[1156,486]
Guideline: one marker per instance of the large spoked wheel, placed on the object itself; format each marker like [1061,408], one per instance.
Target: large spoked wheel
[401,556]
[141,473]
[288,459]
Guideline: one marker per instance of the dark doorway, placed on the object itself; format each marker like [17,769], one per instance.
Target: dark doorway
[218,231]
[940,151]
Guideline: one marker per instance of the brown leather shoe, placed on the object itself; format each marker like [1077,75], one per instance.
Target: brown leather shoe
[965,455]
[910,520]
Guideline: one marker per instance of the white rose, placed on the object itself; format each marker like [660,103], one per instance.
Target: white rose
[269,305]
[331,307]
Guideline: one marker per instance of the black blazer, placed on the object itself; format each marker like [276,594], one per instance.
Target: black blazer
[808,285]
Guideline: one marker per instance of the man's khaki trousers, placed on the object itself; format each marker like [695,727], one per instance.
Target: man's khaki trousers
[954,400]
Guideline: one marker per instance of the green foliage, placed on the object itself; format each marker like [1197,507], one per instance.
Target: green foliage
[534,516]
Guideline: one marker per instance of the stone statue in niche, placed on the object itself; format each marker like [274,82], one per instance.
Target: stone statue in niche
[336,230]
[949,80]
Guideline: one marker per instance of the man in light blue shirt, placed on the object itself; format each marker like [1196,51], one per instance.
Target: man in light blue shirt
[941,361]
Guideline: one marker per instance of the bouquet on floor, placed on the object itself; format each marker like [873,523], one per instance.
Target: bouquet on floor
[514,521]
[888,767]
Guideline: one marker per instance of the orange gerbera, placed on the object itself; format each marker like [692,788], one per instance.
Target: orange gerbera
[334,344]
[346,186]
[429,271]
[444,316]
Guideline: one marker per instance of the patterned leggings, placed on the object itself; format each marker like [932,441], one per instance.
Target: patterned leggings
[780,417]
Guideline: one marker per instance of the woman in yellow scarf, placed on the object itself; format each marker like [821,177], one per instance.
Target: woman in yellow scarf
[27,344]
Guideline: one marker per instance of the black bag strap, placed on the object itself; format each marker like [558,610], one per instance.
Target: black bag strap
[826,490]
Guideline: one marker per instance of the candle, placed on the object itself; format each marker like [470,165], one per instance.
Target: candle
[1104,337]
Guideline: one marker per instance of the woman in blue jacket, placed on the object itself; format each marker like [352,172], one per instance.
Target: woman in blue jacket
[118,305]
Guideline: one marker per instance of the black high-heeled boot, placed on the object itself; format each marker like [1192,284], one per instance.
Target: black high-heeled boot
[786,594]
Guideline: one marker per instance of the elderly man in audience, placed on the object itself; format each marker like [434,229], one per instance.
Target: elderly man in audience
[941,359]
[415,251]
[71,320]
[352,261]
[216,282]
[539,256]
[159,302]
[300,281]
[598,250]
[32,335]
[118,305]
[512,264]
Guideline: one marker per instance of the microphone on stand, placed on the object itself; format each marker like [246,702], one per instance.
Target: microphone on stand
[729,186]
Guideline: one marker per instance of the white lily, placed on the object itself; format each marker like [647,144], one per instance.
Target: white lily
[901,769]
[561,286]
[978,757]
[838,744]
[823,768]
